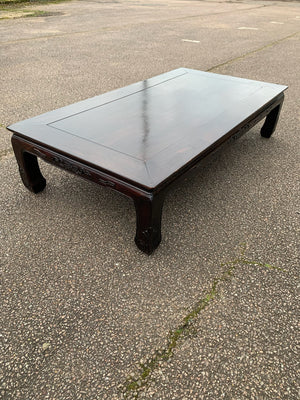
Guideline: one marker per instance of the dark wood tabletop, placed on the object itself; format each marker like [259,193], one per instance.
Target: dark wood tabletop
[137,140]
[148,131]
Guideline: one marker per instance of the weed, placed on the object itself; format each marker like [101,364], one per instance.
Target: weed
[136,384]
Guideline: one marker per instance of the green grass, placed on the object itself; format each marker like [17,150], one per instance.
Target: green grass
[11,6]
[12,3]
[11,9]
[135,384]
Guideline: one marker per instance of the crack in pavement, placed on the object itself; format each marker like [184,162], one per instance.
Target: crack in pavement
[136,383]
[271,44]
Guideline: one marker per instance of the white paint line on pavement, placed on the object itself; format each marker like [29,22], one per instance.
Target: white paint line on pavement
[248,28]
[190,41]
[276,22]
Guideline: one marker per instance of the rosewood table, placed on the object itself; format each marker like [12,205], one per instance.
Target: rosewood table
[137,140]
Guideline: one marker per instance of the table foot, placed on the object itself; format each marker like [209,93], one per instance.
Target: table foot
[28,167]
[148,222]
[271,121]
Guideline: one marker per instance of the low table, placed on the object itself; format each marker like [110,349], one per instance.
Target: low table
[139,139]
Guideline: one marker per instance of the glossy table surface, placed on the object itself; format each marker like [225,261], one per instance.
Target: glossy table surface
[148,131]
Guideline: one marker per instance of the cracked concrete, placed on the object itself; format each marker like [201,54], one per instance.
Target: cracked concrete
[81,306]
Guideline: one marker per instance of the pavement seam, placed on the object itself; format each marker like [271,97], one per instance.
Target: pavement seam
[136,383]
[271,44]
[117,28]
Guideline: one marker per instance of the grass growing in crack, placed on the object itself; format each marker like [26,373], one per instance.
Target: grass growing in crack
[135,384]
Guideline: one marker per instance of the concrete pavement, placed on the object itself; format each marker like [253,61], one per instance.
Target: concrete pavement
[85,314]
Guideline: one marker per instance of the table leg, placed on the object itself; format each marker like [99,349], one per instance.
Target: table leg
[28,167]
[148,222]
[271,121]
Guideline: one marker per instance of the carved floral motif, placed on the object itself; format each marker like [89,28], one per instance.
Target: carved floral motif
[106,183]
[254,121]
[69,166]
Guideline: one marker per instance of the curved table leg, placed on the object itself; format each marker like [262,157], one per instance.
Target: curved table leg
[28,167]
[271,121]
[148,222]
